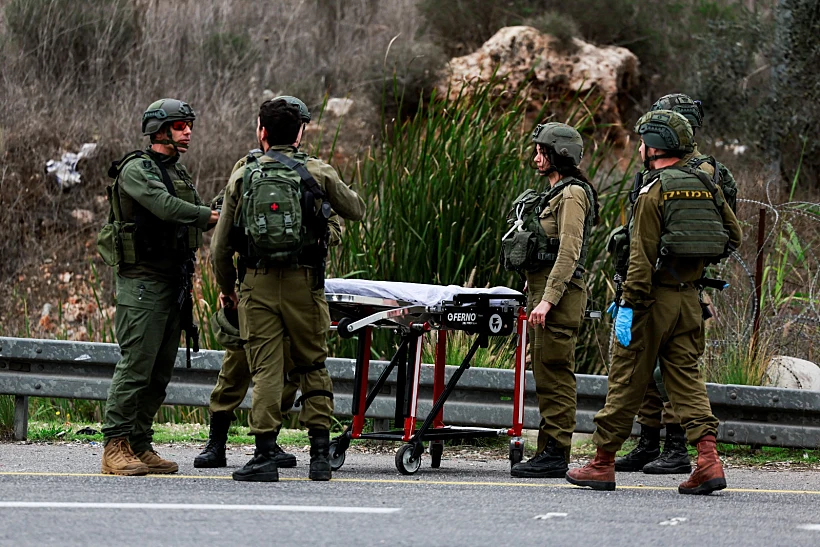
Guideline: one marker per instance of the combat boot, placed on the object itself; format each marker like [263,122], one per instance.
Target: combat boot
[708,476]
[283,459]
[213,455]
[319,448]
[599,474]
[119,459]
[262,467]
[674,459]
[549,464]
[648,449]
[156,464]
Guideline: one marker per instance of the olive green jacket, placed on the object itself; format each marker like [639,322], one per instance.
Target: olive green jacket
[563,218]
[642,274]
[344,201]
[140,185]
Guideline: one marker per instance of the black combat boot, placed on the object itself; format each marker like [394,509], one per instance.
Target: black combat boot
[262,467]
[674,458]
[648,449]
[319,448]
[214,453]
[549,464]
[283,459]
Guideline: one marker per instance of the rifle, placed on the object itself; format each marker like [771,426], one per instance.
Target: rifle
[186,308]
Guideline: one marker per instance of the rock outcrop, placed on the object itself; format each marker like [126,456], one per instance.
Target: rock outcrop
[600,76]
[794,373]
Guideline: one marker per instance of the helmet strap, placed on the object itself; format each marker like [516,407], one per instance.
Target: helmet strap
[168,141]
[650,159]
[550,156]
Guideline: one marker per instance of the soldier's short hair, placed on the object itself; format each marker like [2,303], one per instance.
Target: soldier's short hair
[282,121]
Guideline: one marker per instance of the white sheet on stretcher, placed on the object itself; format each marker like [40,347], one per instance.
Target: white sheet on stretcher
[415,293]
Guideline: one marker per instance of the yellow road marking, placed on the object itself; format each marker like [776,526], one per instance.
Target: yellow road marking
[411,481]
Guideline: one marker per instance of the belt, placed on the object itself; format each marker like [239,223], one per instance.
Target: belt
[678,286]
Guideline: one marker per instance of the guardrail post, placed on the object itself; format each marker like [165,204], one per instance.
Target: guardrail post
[20,417]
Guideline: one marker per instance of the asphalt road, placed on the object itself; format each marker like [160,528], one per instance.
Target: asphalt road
[53,495]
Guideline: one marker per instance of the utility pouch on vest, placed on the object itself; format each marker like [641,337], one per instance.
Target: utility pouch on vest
[517,251]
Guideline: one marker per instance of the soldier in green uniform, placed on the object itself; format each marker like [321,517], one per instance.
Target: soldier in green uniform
[155,227]
[681,221]
[656,414]
[548,242]
[282,201]
[235,376]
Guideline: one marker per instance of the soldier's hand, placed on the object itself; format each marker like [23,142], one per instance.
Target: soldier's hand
[539,314]
[214,217]
[623,326]
[229,300]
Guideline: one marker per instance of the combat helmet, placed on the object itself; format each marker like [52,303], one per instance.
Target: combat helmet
[225,324]
[298,103]
[163,111]
[682,104]
[666,130]
[561,139]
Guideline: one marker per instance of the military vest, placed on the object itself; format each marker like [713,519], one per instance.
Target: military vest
[138,235]
[278,212]
[692,221]
[526,246]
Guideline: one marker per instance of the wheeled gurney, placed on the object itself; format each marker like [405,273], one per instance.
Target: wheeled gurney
[359,306]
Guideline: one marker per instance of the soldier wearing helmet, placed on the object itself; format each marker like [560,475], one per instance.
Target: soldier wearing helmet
[680,221]
[155,226]
[655,413]
[235,376]
[548,244]
[281,284]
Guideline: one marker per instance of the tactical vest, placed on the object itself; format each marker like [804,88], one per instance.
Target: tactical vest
[143,236]
[526,246]
[278,214]
[692,221]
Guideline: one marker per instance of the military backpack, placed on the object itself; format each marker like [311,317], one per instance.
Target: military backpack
[279,214]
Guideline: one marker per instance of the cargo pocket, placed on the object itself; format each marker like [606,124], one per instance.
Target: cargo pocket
[136,293]
[623,364]
[558,345]
[322,313]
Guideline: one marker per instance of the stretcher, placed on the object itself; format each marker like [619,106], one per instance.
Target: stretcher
[412,310]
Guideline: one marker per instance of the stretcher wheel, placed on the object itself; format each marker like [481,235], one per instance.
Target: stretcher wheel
[516,450]
[341,328]
[436,450]
[336,456]
[405,462]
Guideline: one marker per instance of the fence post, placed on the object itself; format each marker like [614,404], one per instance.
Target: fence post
[761,238]
[20,417]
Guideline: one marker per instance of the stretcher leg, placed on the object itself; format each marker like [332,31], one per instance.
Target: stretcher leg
[412,391]
[360,386]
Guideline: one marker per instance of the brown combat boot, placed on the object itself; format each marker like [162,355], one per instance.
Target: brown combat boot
[708,476]
[156,464]
[599,474]
[119,459]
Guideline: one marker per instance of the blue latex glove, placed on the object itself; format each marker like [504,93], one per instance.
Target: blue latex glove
[612,310]
[623,326]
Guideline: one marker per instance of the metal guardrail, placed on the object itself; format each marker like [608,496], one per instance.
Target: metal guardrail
[83,370]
